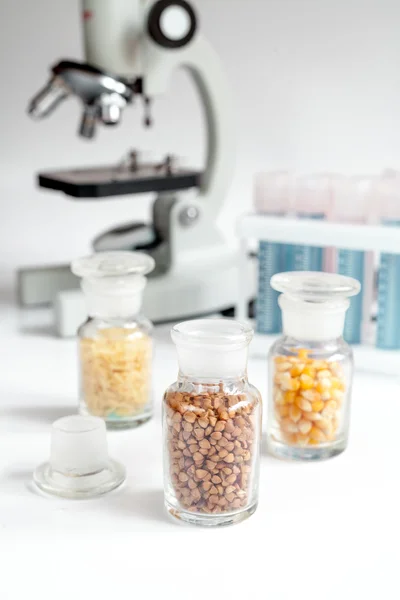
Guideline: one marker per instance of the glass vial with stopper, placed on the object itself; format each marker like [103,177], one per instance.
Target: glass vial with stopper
[310,367]
[115,343]
[211,426]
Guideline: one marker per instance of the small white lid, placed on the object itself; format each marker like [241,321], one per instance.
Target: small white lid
[113,282]
[112,264]
[78,445]
[314,304]
[214,348]
[79,465]
[315,287]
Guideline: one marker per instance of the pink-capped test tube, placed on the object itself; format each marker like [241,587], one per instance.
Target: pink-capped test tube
[273,196]
[351,202]
[312,200]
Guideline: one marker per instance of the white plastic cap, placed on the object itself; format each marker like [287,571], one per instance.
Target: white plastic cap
[212,348]
[385,201]
[351,199]
[314,193]
[273,192]
[113,282]
[78,445]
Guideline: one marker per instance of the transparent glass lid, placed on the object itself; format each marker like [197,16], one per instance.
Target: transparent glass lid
[112,264]
[223,334]
[314,286]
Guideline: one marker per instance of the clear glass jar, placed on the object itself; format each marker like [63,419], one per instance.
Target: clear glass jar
[211,426]
[115,343]
[310,367]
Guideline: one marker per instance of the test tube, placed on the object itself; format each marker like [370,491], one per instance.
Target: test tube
[272,196]
[312,200]
[351,197]
[387,201]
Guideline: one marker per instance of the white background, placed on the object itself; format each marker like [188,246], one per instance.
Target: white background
[315,83]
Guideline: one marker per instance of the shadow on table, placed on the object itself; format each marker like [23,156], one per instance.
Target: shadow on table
[267,458]
[37,330]
[39,415]
[15,481]
[145,504]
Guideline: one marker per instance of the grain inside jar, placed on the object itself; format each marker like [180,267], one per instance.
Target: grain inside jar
[116,372]
[212,441]
[308,396]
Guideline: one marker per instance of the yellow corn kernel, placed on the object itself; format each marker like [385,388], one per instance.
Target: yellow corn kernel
[311,395]
[306,382]
[312,416]
[304,426]
[334,366]
[313,442]
[303,404]
[323,384]
[317,434]
[310,371]
[294,385]
[337,395]
[324,373]
[338,384]
[280,359]
[289,397]
[336,369]
[330,408]
[302,440]
[279,398]
[288,426]
[303,353]
[317,406]
[283,366]
[326,426]
[283,411]
[297,369]
[290,439]
[295,413]
[281,378]
[326,395]
[286,383]
[320,365]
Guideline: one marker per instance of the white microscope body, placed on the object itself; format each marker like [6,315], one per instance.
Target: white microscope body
[147,40]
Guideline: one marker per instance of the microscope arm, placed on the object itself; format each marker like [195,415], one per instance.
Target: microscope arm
[204,66]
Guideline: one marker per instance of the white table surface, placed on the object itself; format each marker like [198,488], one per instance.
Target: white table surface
[321,531]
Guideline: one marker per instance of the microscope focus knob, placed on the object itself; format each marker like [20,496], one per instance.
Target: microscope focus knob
[172,23]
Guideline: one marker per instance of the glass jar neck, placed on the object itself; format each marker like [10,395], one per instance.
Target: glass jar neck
[109,321]
[329,343]
[318,322]
[213,384]
[211,363]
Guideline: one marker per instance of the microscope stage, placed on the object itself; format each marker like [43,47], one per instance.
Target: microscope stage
[100,182]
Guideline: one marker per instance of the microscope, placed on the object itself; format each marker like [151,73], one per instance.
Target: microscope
[132,47]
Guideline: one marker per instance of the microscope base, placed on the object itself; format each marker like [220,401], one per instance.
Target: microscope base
[192,291]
